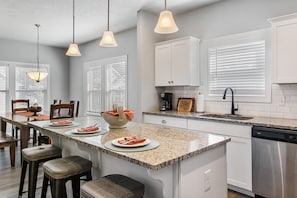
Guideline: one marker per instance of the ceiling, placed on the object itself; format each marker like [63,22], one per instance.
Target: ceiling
[17,18]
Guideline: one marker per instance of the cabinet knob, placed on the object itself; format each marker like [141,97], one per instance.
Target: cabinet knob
[163,122]
[172,81]
[168,82]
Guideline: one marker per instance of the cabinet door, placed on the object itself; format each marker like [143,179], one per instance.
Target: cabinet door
[181,65]
[284,45]
[163,65]
[239,163]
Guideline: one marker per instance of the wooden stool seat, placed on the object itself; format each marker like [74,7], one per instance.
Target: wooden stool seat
[113,186]
[8,141]
[59,171]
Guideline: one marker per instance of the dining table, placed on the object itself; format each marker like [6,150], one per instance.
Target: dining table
[170,162]
[21,120]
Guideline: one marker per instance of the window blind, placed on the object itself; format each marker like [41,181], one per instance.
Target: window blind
[240,66]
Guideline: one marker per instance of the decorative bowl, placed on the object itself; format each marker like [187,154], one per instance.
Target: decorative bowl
[35,109]
[115,121]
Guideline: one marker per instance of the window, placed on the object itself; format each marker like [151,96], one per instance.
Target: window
[15,84]
[4,94]
[106,84]
[241,64]
[27,88]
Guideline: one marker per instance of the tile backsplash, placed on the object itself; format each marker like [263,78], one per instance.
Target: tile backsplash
[283,102]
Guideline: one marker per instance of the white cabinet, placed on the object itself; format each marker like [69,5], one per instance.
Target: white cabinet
[284,47]
[165,121]
[239,150]
[176,62]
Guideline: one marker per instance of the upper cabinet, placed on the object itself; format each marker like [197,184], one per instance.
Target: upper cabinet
[284,47]
[176,62]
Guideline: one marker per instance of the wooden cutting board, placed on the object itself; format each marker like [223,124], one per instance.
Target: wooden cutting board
[185,104]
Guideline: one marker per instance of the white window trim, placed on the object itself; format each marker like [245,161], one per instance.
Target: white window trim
[234,39]
[11,81]
[95,63]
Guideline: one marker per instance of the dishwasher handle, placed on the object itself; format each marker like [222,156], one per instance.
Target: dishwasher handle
[283,135]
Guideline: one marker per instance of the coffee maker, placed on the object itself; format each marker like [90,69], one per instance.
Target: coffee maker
[165,101]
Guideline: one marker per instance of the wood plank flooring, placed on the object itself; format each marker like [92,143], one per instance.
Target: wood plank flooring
[9,182]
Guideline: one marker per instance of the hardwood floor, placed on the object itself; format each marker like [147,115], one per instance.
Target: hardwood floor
[9,182]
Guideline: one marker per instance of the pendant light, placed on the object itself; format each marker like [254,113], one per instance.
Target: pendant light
[73,49]
[166,23]
[37,75]
[108,39]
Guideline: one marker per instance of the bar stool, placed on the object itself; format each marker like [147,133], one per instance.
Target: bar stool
[59,171]
[34,156]
[115,186]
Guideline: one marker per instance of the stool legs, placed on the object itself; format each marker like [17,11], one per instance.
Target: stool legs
[33,170]
[23,174]
[58,188]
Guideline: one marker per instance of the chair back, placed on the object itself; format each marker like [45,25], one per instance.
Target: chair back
[19,105]
[58,111]
[76,106]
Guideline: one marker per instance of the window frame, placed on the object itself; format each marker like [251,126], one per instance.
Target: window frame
[11,92]
[102,63]
[235,39]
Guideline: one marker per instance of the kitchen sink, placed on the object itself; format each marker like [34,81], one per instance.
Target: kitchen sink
[227,116]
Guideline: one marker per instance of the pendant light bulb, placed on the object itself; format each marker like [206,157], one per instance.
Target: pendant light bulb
[37,75]
[73,49]
[108,39]
[166,23]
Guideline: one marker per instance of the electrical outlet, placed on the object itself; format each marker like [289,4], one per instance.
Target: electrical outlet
[207,184]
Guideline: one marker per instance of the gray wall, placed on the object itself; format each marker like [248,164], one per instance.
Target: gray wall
[16,51]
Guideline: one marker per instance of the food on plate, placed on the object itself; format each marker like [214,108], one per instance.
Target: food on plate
[88,129]
[62,122]
[131,140]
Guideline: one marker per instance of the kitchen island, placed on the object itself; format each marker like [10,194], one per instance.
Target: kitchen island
[184,163]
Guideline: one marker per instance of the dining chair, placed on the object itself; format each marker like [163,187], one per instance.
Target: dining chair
[76,105]
[57,111]
[62,110]
[19,106]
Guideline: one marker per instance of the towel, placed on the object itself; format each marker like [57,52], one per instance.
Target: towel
[128,112]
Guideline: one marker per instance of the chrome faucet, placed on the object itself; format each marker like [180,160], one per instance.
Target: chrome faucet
[233,109]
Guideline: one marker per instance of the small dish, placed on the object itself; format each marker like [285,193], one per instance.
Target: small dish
[86,132]
[115,142]
[59,124]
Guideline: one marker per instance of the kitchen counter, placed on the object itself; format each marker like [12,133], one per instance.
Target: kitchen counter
[179,163]
[258,121]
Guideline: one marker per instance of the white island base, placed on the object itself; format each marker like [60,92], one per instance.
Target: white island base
[201,176]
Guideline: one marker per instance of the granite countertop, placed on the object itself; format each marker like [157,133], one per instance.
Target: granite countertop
[175,144]
[255,121]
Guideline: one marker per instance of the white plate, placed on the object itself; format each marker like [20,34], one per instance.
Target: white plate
[86,132]
[116,143]
[59,125]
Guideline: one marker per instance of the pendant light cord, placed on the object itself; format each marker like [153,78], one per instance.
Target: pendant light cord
[73,22]
[38,69]
[165,4]
[108,15]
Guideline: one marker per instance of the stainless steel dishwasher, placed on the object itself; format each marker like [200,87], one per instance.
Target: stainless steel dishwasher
[274,162]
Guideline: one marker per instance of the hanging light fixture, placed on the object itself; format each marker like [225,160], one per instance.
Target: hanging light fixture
[37,75]
[73,49]
[108,39]
[166,23]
